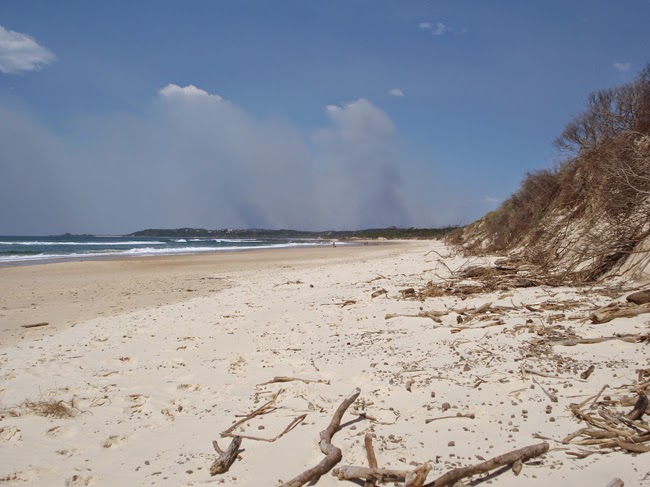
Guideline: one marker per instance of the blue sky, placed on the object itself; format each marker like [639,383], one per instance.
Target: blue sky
[305,114]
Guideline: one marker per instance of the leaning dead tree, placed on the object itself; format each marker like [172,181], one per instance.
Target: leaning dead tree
[333,455]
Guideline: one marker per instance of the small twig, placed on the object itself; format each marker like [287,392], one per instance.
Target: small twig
[470,416]
[295,422]
[35,325]
[552,397]
[291,379]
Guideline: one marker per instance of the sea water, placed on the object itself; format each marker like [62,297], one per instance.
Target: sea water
[15,250]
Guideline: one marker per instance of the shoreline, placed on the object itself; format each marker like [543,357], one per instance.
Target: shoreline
[66,292]
[52,259]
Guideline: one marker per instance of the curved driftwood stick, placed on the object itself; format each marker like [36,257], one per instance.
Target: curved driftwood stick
[523,454]
[332,454]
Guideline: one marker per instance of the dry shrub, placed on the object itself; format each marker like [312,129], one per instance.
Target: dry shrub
[590,213]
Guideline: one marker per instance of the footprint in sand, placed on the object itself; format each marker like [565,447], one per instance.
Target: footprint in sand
[61,431]
[114,440]
[10,434]
[78,480]
[190,387]
[68,452]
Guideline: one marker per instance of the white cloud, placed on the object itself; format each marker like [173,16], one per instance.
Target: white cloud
[441,29]
[20,52]
[622,67]
[172,90]
[396,92]
[425,25]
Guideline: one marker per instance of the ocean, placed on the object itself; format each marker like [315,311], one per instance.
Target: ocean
[16,250]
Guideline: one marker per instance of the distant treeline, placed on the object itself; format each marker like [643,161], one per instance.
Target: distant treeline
[372,233]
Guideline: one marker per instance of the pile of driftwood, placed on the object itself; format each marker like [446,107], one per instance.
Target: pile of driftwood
[610,427]
[371,474]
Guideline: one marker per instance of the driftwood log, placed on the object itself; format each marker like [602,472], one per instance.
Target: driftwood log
[523,454]
[226,458]
[332,454]
[639,297]
[372,458]
[418,476]
[35,325]
[608,313]
[379,475]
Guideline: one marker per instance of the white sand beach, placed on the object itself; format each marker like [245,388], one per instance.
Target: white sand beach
[154,358]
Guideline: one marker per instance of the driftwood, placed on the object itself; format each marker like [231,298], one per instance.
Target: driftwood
[608,313]
[523,454]
[35,325]
[587,373]
[418,477]
[379,475]
[378,293]
[552,397]
[332,454]
[639,408]
[434,315]
[372,458]
[411,478]
[459,415]
[294,422]
[226,458]
[266,408]
[639,297]
[571,342]
[290,379]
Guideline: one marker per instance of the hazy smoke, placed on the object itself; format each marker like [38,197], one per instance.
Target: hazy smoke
[195,159]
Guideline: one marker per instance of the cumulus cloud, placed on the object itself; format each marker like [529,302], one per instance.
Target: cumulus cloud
[187,160]
[440,29]
[20,52]
[622,67]
[172,90]
[396,92]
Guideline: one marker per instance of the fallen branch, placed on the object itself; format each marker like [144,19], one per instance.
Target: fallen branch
[332,454]
[35,325]
[294,422]
[417,478]
[372,459]
[434,315]
[522,454]
[291,379]
[571,342]
[552,397]
[459,415]
[226,458]
[603,315]
[266,408]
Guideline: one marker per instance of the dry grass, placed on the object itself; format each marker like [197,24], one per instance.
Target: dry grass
[52,408]
[45,407]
